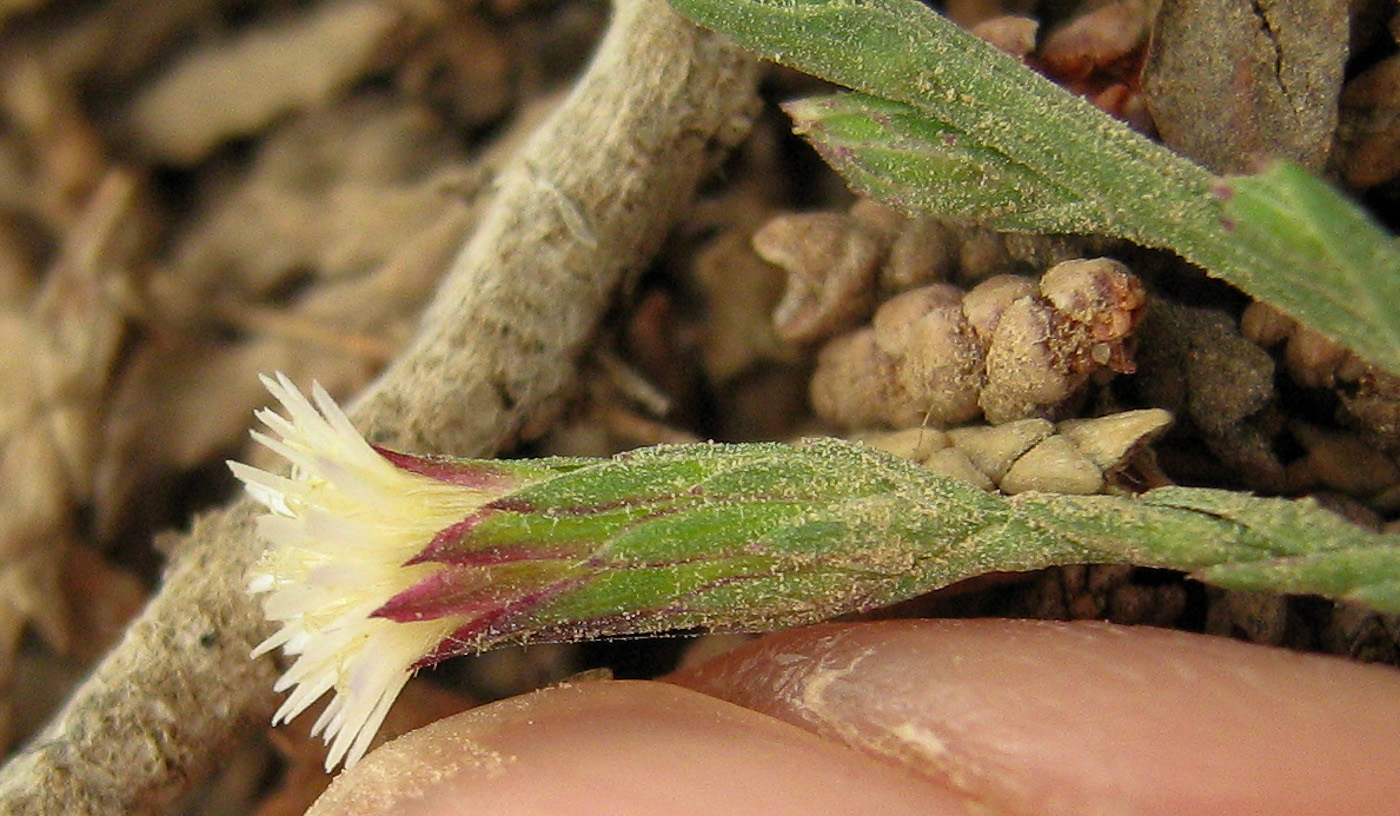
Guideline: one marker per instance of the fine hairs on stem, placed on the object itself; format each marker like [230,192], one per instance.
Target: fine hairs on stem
[150,721]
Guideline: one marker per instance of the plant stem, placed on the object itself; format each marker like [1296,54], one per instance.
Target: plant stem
[945,123]
[657,107]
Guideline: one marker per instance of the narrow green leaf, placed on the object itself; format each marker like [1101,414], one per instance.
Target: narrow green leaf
[1050,160]
[1282,527]
[1369,576]
[894,153]
[1234,540]
[1343,268]
[830,527]
[902,51]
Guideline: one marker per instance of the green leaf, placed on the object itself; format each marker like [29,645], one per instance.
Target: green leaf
[948,124]
[1234,540]
[900,50]
[758,536]
[894,153]
[1339,268]
[1282,527]
[1367,576]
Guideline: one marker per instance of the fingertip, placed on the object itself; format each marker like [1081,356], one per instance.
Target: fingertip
[1062,718]
[620,748]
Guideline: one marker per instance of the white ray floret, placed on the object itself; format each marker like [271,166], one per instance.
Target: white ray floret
[338,532]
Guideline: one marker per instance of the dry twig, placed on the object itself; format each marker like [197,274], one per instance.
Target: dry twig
[585,203]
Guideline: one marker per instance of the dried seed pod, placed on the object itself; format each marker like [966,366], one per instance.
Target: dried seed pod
[1266,325]
[1045,348]
[984,304]
[1312,360]
[739,290]
[940,359]
[1024,375]
[1077,456]
[1110,441]
[922,252]
[1373,407]
[1107,33]
[831,263]
[895,316]
[1370,396]
[1009,349]
[942,367]
[854,385]
[994,448]
[880,220]
[982,254]
[1054,464]
[932,449]
[1368,130]
[1107,303]
[955,464]
[1012,33]
[927,250]
[1083,453]
[914,444]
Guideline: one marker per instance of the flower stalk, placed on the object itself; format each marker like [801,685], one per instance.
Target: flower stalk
[381,563]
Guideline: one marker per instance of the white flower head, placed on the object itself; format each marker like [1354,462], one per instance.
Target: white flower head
[339,533]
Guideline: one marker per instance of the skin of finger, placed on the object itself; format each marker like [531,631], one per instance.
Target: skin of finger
[1085,718]
[625,747]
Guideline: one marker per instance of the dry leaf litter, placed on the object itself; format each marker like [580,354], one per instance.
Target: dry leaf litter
[192,193]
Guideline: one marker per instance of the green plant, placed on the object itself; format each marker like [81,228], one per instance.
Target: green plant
[380,562]
[941,122]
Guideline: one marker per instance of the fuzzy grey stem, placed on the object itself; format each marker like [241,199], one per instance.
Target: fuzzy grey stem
[589,201]
[585,203]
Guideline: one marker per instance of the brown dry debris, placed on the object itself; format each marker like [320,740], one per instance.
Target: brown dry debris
[1012,33]
[1368,136]
[303,233]
[1097,38]
[1195,363]
[741,291]
[400,201]
[196,192]
[58,349]
[1357,459]
[831,264]
[204,97]
[1008,349]
[1234,85]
